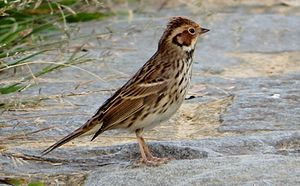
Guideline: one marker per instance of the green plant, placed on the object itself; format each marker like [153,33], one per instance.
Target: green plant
[24,34]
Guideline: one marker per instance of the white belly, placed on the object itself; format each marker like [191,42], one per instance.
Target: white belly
[153,120]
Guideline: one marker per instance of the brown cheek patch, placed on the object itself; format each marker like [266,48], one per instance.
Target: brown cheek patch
[185,39]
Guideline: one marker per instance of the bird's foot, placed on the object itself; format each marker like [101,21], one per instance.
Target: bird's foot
[152,161]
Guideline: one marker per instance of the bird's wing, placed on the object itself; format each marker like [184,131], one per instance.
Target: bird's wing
[130,101]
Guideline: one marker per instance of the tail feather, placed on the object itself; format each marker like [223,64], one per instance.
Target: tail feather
[64,140]
[90,127]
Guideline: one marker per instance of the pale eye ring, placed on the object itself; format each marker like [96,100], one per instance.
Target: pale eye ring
[191,31]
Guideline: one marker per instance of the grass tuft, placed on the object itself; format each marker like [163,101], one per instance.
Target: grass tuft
[24,35]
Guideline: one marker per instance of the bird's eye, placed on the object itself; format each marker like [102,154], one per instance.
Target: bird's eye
[191,31]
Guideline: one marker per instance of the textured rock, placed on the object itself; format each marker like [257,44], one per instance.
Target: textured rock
[240,125]
[240,170]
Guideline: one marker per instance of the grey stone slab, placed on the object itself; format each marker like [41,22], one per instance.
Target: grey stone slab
[234,170]
[251,54]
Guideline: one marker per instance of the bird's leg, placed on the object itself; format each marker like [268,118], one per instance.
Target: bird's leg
[147,157]
[142,150]
[145,147]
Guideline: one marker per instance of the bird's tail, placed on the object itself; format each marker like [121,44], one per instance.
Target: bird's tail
[91,126]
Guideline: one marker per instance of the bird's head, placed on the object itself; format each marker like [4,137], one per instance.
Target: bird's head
[181,33]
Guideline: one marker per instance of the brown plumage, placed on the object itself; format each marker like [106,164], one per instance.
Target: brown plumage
[153,94]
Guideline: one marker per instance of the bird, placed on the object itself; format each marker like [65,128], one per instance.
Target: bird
[153,94]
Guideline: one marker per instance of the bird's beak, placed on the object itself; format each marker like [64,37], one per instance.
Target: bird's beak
[203,30]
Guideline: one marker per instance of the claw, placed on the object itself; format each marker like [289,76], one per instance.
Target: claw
[152,162]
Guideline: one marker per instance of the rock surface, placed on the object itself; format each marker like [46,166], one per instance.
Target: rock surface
[239,126]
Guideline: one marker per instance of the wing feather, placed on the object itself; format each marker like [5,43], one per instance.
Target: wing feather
[127,104]
[132,97]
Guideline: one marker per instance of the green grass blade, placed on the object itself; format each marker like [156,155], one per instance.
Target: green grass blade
[11,88]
